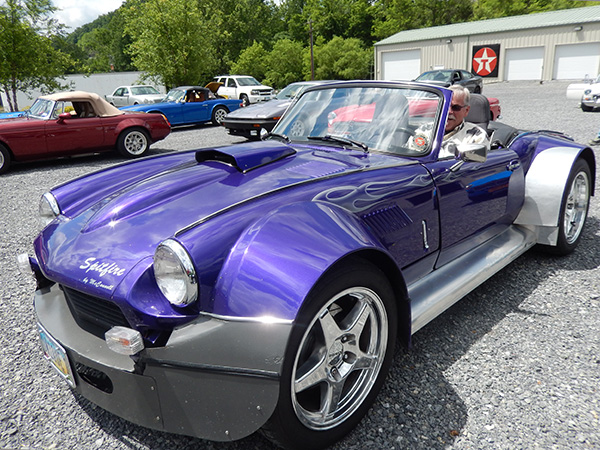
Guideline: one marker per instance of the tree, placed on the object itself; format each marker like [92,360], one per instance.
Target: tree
[285,63]
[252,61]
[393,16]
[489,9]
[28,59]
[172,40]
[342,59]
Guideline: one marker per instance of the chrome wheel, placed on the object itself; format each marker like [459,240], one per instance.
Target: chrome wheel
[576,207]
[339,358]
[135,143]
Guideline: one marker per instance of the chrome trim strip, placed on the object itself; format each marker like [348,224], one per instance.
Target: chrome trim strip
[438,291]
[264,319]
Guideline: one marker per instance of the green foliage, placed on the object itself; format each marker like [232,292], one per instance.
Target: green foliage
[342,59]
[172,40]
[489,9]
[285,63]
[28,59]
[392,16]
[252,61]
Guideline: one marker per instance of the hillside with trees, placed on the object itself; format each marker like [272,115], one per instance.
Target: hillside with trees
[179,42]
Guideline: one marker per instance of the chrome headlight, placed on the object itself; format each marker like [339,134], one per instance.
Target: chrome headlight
[587,91]
[254,92]
[48,209]
[175,273]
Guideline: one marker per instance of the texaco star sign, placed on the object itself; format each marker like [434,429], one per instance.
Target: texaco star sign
[484,61]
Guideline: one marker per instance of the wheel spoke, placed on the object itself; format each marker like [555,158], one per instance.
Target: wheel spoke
[312,372]
[330,328]
[331,399]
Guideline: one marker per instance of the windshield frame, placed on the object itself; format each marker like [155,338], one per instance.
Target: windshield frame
[420,120]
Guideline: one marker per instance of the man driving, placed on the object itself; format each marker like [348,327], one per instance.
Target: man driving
[458,131]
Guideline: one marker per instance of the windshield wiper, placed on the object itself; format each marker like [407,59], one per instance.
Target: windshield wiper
[341,140]
[283,137]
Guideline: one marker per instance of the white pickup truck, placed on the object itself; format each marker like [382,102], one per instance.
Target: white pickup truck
[244,87]
[134,95]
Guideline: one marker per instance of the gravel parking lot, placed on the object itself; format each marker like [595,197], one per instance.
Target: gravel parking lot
[514,365]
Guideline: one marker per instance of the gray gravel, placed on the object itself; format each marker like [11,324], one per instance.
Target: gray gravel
[514,365]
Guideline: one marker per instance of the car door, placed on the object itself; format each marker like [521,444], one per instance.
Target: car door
[196,109]
[229,88]
[476,200]
[120,98]
[74,135]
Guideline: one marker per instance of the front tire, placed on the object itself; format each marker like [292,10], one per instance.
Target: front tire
[133,143]
[586,108]
[573,209]
[219,114]
[337,358]
[245,100]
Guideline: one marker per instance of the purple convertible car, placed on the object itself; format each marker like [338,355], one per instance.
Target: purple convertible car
[217,292]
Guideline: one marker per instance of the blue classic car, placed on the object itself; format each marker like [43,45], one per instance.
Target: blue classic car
[220,291]
[191,105]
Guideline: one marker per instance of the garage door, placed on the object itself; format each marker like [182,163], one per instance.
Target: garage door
[524,63]
[403,65]
[575,61]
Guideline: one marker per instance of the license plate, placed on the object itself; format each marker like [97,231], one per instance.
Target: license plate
[56,354]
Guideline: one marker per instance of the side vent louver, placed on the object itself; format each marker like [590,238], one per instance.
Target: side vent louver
[387,220]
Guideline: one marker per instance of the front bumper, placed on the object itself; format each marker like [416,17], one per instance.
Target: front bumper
[591,101]
[215,379]
[247,127]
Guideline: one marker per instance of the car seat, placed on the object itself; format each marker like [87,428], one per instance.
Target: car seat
[479,113]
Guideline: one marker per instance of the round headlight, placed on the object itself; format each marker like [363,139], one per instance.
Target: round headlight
[175,273]
[48,209]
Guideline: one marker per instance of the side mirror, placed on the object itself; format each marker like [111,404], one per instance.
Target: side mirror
[476,153]
[64,116]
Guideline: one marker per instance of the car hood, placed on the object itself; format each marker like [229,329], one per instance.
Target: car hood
[113,220]
[266,110]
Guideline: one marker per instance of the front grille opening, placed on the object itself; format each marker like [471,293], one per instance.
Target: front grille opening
[94,377]
[95,315]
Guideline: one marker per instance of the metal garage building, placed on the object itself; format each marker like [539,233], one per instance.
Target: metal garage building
[555,45]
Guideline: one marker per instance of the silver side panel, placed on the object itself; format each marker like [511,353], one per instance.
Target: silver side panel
[544,186]
[433,294]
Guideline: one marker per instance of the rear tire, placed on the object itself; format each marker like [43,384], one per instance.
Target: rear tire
[219,114]
[337,358]
[133,143]
[573,209]
[5,159]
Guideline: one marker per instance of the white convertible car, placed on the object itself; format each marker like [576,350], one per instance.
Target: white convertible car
[588,93]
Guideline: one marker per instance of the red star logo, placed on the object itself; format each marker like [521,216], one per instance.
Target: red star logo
[484,61]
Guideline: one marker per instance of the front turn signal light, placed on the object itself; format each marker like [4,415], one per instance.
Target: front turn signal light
[124,341]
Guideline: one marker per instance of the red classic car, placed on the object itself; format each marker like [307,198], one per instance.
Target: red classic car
[422,107]
[74,123]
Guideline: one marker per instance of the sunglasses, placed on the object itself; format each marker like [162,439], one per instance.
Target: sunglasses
[457,108]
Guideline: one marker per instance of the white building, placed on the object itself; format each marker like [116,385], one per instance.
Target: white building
[553,45]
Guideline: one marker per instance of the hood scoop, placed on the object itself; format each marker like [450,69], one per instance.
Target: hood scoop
[248,156]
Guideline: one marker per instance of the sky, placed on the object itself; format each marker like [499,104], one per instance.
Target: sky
[75,13]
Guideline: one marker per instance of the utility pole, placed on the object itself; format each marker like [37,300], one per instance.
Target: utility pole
[312,58]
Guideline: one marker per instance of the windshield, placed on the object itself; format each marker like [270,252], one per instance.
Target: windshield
[440,75]
[387,119]
[174,95]
[290,91]
[247,81]
[41,109]
[143,90]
